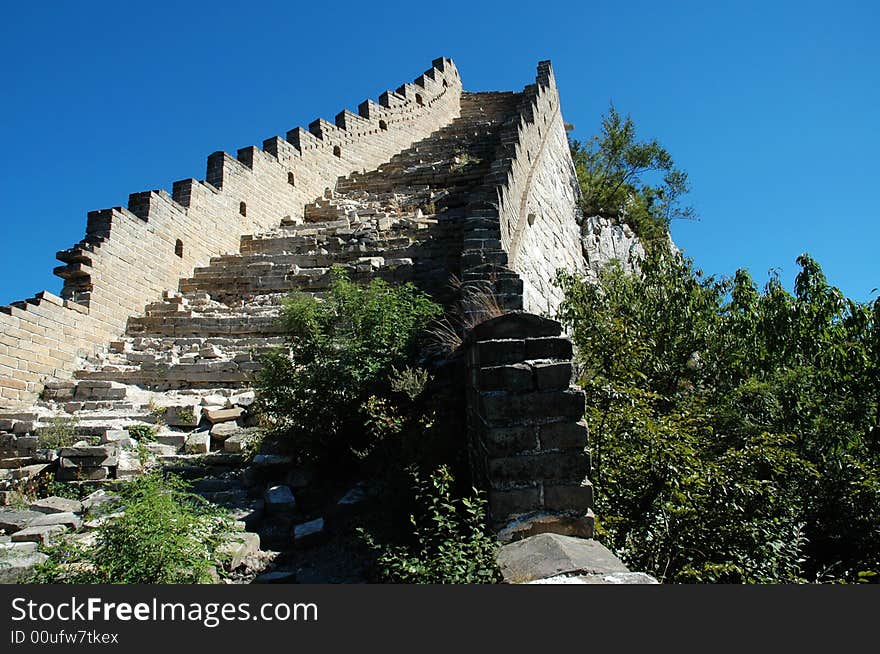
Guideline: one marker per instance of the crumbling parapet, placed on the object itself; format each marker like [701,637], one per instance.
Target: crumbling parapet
[526,434]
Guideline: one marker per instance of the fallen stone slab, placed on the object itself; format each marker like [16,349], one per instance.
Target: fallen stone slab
[188,415]
[173,438]
[238,546]
[223,430]
[238,441]
[82,474]
[89,451]
[309,533]
[130,465]
[16,569]
[43,534]
[162,449]
[69,520]
[56,504]
[13,520]
[198,443]
[279,499]
[97,499]
[223,415]
[549,555]
[89,461]
[119,437]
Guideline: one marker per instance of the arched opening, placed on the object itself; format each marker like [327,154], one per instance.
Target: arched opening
[419,99]
[178,248]
[337,151]
[383,125]
[242,208]
[291,179]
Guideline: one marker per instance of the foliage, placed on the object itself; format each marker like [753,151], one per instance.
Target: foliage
[142,433]
[341,352]
[159,533]
[60,432]
[636,180]
[449,541]
[735,432]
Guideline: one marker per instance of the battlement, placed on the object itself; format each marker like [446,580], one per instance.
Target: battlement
[538,195]
[130,255]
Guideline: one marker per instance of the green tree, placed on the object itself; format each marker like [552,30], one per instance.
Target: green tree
[624,178]
[734,430]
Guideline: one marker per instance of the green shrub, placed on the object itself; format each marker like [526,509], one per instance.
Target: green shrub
[165,535]
[449,542]
[734,432]
[142,433]
[60,432]
[342,351]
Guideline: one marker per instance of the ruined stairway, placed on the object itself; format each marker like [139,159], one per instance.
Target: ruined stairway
[192,354]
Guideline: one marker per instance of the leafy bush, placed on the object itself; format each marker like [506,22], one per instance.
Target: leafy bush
[165,535]
[735,432]
[615,173]
[142,433]
[449,542]
[60,432]
[342,351]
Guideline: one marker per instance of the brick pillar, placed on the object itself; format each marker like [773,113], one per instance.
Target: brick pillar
[526,433]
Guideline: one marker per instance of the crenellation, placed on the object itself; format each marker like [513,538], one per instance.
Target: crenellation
[170,301]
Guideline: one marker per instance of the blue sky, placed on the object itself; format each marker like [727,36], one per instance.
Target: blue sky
[770,107]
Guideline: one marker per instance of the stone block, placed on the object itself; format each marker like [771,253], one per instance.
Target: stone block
[238,442]
[502,409]
[561,435]
[552,376]
[82,474]
[69,520]
[44,534]
[223,415]
[577,498]
[548,348]
[88,461]
[174,438]
[513,378]
[503,441]
[309,533]
[547,523]
[187,415]
[223,430]
[198,442]
[12,520]
[506,502]
[516,325]
[498,353]
[548,555]
[279,499]
[563,465]
[56,504]
[89,451]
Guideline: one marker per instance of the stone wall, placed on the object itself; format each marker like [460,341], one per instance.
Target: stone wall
[525,429]
[538,196]
[129,256]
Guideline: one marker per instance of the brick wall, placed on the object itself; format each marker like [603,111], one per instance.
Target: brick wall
[130,255]
[526,434]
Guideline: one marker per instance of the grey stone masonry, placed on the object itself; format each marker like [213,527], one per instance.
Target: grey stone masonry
[526,433]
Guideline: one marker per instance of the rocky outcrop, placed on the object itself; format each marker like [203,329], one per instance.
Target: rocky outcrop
[605,239]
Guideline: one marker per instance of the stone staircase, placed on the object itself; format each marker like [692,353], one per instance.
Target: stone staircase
[183,369]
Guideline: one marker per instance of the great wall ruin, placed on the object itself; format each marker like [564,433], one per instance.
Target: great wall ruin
[168,303]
